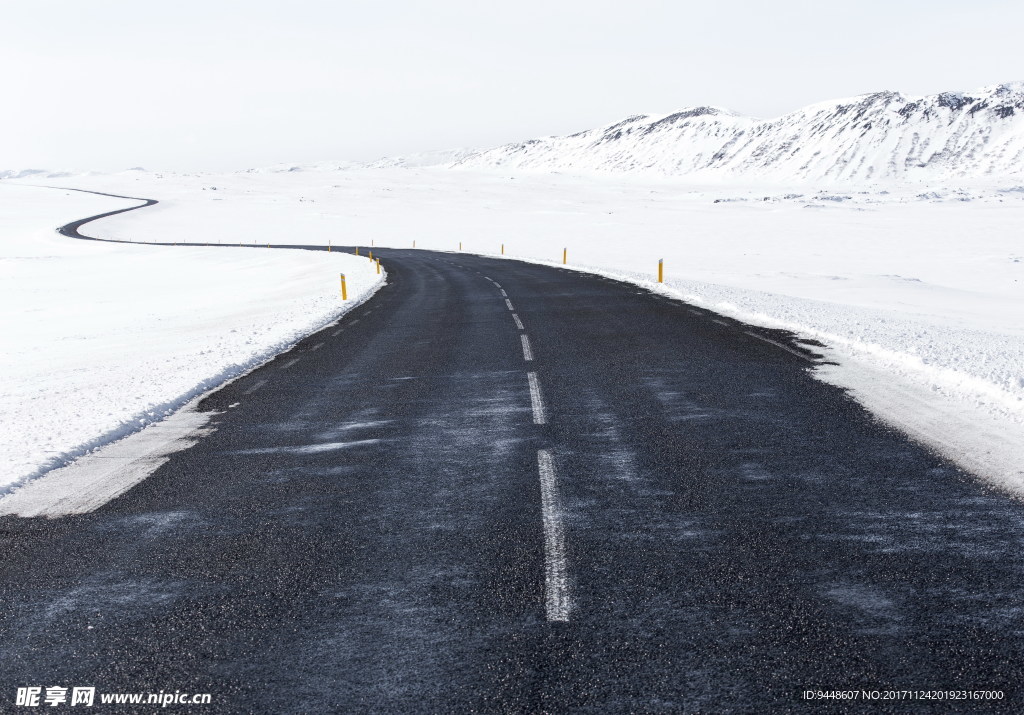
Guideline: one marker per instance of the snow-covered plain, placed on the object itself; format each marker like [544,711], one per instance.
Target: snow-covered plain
[99,339]
[917,289]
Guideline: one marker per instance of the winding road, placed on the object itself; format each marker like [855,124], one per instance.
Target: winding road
[505,487]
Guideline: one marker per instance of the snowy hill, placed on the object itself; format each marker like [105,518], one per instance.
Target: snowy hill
[423,159]
[33,174]
[871,137]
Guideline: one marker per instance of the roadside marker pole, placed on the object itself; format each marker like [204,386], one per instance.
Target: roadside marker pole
[344,290]
[661,270]
[503,249]
[328,245]
[565,256]
[371,255]
[357,250]
[460,245]
[414,243]
[378,266]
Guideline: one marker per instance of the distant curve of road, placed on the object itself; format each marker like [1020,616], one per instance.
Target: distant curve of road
[505,487]
[71,230]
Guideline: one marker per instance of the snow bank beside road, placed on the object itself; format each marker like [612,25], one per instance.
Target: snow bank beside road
[100,339]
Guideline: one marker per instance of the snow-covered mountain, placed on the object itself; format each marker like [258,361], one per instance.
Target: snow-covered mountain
[33,173]
[871,137]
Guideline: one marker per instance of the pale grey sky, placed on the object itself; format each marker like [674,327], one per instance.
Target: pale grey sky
[189,84]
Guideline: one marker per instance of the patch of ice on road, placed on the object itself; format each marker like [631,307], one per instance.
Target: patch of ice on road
[866,599]
[153,525]
[309,448]
[101,597]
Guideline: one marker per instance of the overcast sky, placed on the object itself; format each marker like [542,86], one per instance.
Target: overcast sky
[216,84]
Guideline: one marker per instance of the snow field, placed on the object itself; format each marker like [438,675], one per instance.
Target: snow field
[101,339]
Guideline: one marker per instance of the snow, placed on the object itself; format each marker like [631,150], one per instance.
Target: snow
[915,289]
[883,136]
[106,338]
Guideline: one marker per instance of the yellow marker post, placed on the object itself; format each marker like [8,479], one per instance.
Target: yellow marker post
[378,266]
[373,241]
[344,290]
[661,270]
[357,250]
[503,249]
[414,243]
[460,245]
[565,256]
[328,245]
[371,255]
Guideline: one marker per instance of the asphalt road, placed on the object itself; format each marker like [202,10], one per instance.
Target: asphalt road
[670,515]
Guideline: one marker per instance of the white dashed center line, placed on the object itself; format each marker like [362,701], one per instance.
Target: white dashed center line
[337,332]
[255,387]
[316,347]
[536,399]
[556,584]
[527,351]
[289,364]
[720,322]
